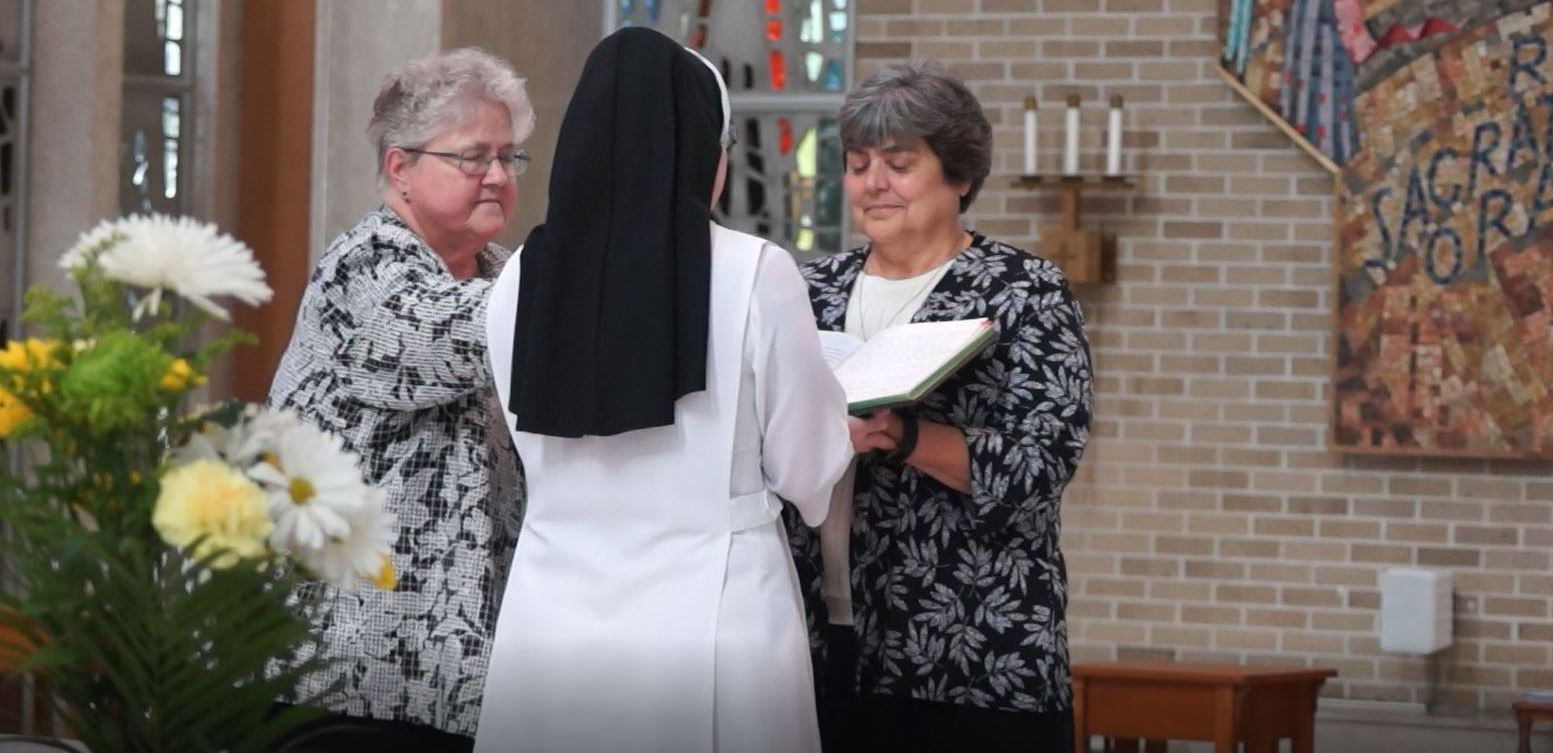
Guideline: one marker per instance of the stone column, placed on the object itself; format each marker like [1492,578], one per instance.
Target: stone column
[357,42]
[547,44]
[73,154]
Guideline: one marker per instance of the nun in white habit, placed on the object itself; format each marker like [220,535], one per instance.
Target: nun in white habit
[666,392]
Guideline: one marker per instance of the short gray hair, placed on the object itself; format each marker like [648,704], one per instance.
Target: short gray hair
[422,98]
[922,101]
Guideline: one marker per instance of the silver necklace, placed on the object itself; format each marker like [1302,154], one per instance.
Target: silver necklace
[932,276]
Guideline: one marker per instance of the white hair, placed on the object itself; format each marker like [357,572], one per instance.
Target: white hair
[423,98]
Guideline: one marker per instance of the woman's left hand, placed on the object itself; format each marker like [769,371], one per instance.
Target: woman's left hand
[940,452]
[870,432]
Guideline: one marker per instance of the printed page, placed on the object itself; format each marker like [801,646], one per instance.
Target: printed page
[900,358]
[836,346]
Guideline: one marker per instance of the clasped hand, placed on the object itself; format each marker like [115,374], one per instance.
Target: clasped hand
[874,431]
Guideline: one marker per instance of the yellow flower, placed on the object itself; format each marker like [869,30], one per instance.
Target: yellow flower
[387,577]
[25,355]
[21,357]
[13,413]
[181,376]
[208,498]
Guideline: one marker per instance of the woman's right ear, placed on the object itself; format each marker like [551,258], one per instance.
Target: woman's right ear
[396,165]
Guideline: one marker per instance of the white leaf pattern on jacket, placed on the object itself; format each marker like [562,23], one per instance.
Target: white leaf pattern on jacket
[961,598]
[389,353]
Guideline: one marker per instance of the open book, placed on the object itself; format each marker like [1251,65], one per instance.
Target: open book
[903,363]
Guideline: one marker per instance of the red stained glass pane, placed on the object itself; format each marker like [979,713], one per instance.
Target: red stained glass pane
[778,71]
[774,29]
[698,39]
[785,135]
[773,7]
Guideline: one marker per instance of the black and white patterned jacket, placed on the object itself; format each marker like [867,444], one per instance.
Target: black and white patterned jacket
[389,353]
[962,598]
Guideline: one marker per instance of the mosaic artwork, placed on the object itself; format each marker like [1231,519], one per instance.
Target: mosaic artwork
[1444,321]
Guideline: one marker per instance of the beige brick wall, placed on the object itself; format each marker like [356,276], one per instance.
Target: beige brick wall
[1209,522]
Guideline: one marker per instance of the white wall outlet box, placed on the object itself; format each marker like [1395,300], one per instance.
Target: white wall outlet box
[1415,610]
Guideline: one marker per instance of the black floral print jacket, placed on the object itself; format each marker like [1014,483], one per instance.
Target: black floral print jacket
[961,598]
[389,353]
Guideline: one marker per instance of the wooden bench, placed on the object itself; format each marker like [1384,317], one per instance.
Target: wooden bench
[1528,713]
[1224,705]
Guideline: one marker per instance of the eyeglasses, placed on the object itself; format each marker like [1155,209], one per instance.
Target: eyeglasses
[475,164]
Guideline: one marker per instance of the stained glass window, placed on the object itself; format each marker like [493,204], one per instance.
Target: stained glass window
[788,64]
[158,99]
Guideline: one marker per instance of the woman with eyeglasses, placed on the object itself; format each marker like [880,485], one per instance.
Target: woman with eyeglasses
[389,353]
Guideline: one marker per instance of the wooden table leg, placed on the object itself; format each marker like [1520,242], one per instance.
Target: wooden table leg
[1224,720]
[1080,717]
[1155,746]
[1305,731]
[1523,721]
[1262,745]
[1122,744]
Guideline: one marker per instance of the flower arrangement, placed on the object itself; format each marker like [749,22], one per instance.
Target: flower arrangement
[156,553]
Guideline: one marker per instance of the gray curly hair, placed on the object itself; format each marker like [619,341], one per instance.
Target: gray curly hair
[422,98]
[921,100]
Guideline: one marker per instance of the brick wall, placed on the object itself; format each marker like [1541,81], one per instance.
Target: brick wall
[1209,522]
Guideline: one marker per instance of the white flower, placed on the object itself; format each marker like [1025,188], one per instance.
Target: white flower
[260,433]
[90,244]
[190,258]
[361,555]
[312,485]
[263,432]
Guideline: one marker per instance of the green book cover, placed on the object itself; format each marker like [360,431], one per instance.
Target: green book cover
[902,364]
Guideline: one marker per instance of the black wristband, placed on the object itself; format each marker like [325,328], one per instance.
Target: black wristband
[907,444]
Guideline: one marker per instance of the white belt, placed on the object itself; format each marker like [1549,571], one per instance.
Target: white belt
[753,510]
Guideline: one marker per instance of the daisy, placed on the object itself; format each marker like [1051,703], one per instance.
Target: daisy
[258,434]
[312,485]
[361,555]
[189,258]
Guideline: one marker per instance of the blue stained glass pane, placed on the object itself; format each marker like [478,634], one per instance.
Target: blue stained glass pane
[833,75]
[839,4]
[654,9]
[627,8]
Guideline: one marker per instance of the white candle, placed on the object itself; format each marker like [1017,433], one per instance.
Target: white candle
[1113,138]
[1070,148]
[1029,136]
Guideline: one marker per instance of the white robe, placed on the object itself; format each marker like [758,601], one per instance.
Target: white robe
[652,604]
